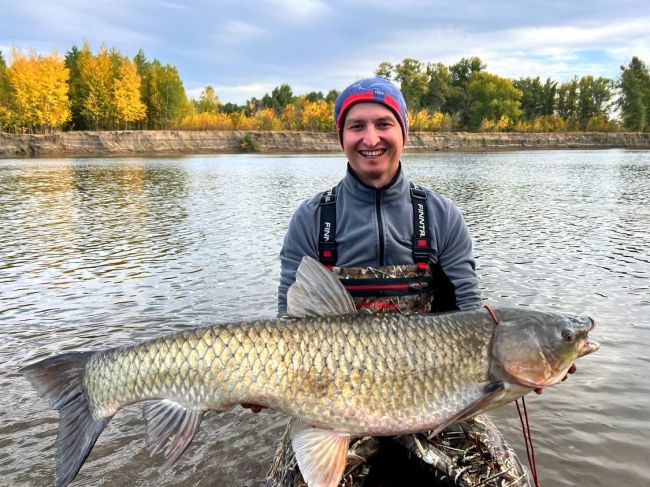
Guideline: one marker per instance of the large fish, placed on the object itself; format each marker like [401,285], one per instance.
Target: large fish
[342,374]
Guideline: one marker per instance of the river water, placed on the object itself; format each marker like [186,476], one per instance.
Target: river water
[96,253]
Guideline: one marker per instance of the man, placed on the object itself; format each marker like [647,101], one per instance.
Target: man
[394,245]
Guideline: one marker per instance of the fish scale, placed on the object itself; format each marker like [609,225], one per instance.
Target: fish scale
[356,375]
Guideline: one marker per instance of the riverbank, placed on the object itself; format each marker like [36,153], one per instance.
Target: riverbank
[173,142]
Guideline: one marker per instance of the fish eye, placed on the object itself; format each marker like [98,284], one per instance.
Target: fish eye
[568,336]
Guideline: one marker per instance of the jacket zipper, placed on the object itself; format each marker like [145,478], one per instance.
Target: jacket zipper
[380,223]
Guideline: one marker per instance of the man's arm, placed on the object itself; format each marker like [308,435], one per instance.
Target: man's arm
[457,259]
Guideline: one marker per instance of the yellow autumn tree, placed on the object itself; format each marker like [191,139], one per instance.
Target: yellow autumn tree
[266,119]
[38,98]
[97,75]
[317,116]
[206,121]
[6,116]
[291,117]
[126,91]
[241,122]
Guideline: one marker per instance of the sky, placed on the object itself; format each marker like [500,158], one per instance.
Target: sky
[245,48]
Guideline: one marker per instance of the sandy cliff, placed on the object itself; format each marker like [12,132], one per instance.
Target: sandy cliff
[170,142]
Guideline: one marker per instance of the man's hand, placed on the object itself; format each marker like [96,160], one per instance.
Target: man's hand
[571,370]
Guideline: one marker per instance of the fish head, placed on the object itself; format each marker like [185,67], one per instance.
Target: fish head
[536,349]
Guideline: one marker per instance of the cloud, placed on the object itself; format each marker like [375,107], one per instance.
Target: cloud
[240,93]
[236,32]
[586,36]
[174,5]
[298,9]
[99,22]
[247,48]
[555,51]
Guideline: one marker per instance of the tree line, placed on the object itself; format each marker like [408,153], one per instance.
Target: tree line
[107,90]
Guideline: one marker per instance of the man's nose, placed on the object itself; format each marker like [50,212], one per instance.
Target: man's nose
[371,137]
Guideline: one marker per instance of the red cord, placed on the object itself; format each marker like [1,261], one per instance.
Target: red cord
[525,426]
[528,439]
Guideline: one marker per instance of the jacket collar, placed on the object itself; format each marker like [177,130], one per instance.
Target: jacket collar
[394,189]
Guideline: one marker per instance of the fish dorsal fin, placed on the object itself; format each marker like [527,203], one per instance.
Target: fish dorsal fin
[317,292]
[321,454]
[170,426]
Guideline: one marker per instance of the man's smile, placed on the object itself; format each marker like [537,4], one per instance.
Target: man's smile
[372,153]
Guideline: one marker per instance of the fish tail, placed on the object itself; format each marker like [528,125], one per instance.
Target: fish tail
[60,380]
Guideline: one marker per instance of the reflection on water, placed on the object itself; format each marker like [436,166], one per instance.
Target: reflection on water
[102,252]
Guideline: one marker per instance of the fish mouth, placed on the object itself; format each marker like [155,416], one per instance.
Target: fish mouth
[528,384]
[589,346]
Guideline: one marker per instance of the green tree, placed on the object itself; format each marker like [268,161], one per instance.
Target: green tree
[385,70]
[532,99]
[594,99]
[549,97]
[458,101]
[4,79]
[567,100]
[438,87]
[580,100]
[331,96]
[5,114]
[280,97]
[162,93]
[462,71]
[492,98]
[77,90]
[314,96]
[231,108]
[413,81]
[208,101]
[635,95]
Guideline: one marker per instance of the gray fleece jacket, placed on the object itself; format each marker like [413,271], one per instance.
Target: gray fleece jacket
[374,227]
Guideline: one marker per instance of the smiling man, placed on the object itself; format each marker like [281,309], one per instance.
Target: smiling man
[395,246]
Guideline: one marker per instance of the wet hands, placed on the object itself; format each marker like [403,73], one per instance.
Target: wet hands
[571,370]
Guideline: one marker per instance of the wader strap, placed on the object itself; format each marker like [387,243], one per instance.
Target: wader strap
[327,232]
[421,236]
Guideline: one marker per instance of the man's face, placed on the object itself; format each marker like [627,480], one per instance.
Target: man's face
[372,142]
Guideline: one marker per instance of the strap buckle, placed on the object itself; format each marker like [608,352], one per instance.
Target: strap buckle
[417,192]
[327,253]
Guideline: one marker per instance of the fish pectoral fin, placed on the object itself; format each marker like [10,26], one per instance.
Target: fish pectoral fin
[321,454]
[489,393]
[317,292]
[172,427]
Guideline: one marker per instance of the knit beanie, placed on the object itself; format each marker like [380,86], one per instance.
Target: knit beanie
[379,90]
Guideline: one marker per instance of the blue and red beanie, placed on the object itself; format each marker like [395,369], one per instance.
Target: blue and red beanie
[379,90]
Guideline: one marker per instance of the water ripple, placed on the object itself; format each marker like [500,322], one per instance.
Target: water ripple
[98,253]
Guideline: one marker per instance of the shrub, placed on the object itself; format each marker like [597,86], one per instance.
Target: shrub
[249,144]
